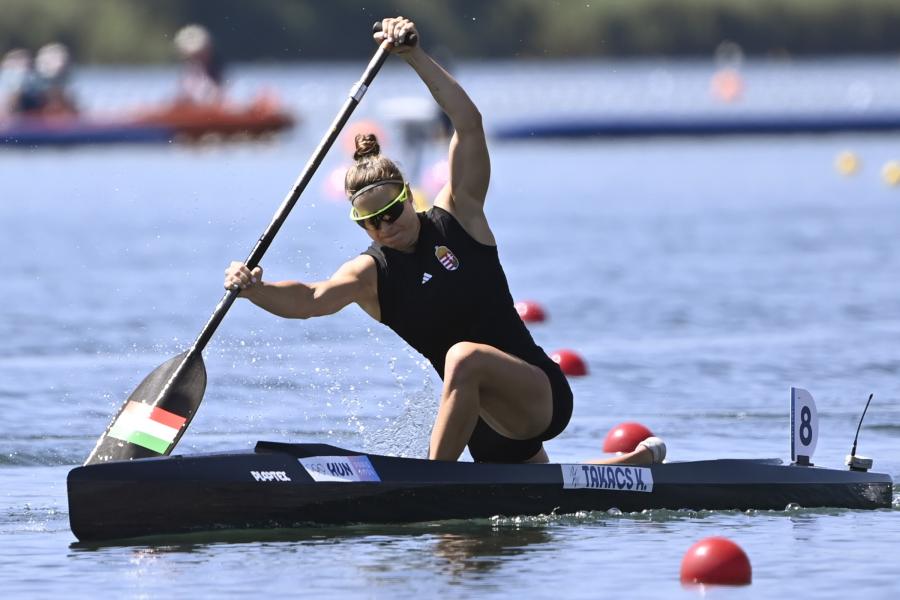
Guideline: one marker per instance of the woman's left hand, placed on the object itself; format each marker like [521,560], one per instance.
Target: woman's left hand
[397,32]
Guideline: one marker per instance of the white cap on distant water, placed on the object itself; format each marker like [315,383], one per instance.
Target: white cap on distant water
[192,39]
[16,59]
[52,60]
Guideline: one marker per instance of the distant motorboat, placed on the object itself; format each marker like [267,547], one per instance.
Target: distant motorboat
[173,122]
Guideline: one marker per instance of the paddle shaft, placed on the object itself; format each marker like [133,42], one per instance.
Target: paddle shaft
[356,94]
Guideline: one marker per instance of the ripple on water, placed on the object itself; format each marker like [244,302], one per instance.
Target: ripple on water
[659,515]
[28,518]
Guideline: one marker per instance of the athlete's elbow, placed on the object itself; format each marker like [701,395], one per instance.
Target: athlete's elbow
[310,305]
[296,312]
[469,121]
[311,312]
[288,313]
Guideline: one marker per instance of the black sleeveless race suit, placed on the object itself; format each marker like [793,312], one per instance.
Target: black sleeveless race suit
[452,289]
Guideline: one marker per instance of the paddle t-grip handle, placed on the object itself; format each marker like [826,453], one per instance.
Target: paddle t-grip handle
[411,41]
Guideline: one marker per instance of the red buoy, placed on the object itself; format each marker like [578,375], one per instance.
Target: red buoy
[716,560]
[625,437]
[569,362]
[530,312]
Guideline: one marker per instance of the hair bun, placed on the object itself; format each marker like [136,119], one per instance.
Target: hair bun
[366,145]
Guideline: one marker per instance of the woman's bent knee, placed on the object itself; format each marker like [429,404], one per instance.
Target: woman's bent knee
[462,360]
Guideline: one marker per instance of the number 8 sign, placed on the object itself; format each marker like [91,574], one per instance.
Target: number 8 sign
[804,426]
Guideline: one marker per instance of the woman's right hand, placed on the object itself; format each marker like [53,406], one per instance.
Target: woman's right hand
[238,276]
[398,31]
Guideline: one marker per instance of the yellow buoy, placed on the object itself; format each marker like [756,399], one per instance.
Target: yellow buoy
[890,172]
[846,163]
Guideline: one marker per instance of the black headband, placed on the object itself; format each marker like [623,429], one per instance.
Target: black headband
[359,192]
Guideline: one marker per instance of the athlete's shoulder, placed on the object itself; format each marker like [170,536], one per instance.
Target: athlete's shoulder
[375,252]
[443,219]
[451,224]
[358,266]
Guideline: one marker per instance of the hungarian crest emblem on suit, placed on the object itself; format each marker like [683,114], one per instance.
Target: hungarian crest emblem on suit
[446,257]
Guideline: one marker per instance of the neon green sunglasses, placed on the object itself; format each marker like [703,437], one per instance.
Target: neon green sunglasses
[388,213]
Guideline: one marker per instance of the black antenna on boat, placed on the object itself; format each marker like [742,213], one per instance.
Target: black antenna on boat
[859,463]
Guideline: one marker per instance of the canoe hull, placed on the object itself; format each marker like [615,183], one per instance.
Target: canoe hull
[269,487]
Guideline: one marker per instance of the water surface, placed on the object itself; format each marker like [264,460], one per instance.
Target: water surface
[700,279]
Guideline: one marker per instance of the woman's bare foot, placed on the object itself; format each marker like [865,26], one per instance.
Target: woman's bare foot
[651,451]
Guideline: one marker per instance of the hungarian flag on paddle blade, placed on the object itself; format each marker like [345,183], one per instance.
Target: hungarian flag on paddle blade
[147,426]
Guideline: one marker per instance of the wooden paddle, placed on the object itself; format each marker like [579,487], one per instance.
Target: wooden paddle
[158,412]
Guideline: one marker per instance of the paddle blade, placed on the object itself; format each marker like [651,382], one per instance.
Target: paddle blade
[157,413]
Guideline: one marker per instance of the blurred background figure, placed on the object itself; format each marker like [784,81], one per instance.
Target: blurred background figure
[202,77]
[53,67]
[37,87]
[19,83]
[727,84]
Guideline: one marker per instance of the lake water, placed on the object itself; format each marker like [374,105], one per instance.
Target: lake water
[700,279]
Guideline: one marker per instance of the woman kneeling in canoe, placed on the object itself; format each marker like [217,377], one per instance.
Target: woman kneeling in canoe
[435,279]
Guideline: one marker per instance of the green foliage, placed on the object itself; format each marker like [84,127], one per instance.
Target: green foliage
[125,31]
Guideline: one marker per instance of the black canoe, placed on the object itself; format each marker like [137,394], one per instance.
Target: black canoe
[289,485]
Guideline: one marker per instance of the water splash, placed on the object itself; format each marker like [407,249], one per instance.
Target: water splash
[406,433]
